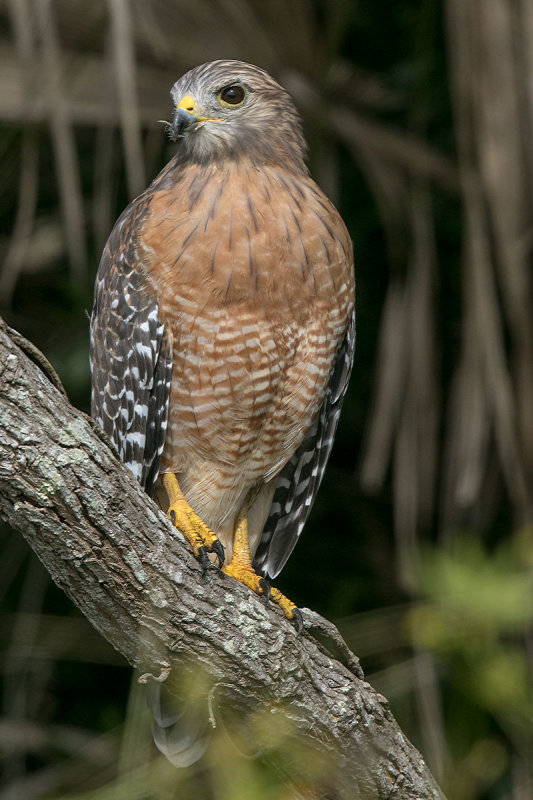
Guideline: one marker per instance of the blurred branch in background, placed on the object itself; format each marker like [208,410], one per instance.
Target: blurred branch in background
[420,123]
[492,393]
[122,48]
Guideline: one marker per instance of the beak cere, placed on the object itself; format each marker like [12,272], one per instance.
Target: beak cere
[182,121]
[187,118]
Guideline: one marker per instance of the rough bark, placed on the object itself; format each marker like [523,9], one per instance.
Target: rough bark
[121,562]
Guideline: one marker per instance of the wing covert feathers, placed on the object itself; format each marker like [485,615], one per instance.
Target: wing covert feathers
[298,482]
[130,357]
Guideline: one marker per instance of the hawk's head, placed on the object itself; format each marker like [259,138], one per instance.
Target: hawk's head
[229,108]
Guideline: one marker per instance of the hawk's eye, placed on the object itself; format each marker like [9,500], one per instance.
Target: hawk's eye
[232,95]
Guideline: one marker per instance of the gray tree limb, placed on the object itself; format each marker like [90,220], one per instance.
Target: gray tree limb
[132,574]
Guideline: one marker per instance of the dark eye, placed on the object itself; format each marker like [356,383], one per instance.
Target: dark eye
[232,95]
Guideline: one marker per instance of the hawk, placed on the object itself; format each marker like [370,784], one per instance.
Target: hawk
[222,334]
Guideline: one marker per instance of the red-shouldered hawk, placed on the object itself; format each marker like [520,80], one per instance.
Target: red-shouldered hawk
[223,328]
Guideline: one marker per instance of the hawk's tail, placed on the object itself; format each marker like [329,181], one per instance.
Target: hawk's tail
[180,731]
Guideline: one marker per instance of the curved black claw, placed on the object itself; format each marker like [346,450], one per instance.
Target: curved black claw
[298,620]
[173,518]
[265,586]
[203,559]
[218,550]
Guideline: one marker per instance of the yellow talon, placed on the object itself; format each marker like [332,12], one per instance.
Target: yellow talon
[198,534]
[289,608]
[242,570]
[203,540]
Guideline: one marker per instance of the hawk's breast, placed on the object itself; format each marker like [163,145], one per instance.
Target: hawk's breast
[253,274]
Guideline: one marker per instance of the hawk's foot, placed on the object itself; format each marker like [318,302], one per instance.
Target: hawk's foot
[198,534]
[244,573]
[242,570]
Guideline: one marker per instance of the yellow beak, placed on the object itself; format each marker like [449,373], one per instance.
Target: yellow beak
[189,105]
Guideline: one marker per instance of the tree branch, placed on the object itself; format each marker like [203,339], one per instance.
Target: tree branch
[132,574]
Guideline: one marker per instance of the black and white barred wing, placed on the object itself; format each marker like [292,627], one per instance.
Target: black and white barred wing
[298,482]
[130,358]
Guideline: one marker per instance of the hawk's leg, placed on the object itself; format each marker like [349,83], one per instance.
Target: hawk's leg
[242,570]
[198,534]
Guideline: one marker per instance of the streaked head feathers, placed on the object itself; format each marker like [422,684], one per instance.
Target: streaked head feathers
[232,109]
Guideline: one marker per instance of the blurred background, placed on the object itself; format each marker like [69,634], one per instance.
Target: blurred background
[419,117]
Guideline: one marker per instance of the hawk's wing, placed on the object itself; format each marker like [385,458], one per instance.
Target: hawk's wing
[131,359]
[298,482]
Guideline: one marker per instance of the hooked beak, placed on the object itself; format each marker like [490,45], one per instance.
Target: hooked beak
[182,121]
[187,118]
